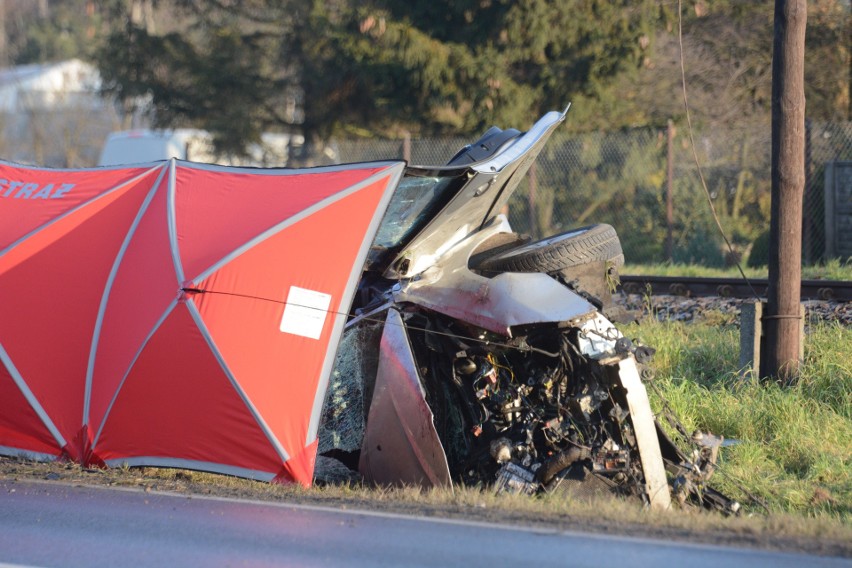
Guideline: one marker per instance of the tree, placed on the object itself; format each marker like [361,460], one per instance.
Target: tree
[38,32]
[378,66]
[727,47]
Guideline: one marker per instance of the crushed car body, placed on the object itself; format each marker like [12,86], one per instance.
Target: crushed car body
[475,356]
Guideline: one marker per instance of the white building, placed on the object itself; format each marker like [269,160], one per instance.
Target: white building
[52,114]
[71,83]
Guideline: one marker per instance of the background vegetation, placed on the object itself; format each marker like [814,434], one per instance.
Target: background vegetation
[445,66]
[387,69]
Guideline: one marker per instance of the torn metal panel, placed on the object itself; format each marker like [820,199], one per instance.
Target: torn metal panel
[498,304]
[489,186]
[401,446]
[598,337]
[645,430]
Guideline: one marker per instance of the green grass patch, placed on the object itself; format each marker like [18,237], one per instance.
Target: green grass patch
[831,270]
[795,450]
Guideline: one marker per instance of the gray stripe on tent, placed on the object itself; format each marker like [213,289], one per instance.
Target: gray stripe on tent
[28,394]
[172,220]
[96,336]
[26,454]
[154,329]
[275,229]
[285,171]
[191,464]
[72,211]
[277,172]
[150,164]
[394,175]
[282,453]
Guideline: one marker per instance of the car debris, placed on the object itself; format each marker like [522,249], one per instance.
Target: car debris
[475,356]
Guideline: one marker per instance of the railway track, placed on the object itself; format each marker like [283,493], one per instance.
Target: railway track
[825,290]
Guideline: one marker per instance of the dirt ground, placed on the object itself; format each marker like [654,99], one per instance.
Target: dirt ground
[627,519]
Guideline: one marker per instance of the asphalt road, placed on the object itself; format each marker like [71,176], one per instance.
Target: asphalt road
[56,525]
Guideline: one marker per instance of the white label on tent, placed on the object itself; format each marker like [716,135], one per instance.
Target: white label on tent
[305,312]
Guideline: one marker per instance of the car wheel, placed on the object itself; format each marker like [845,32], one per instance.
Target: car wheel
[595,243]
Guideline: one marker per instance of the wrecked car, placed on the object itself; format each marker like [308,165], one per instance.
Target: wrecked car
[475,356]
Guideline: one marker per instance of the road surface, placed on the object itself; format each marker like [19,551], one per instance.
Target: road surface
[43,524]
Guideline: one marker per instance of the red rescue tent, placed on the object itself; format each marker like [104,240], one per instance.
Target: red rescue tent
[178,314]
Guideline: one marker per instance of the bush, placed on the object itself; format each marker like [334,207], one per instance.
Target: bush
[759,255]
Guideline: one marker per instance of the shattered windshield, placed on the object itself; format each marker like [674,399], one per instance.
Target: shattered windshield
[415,201]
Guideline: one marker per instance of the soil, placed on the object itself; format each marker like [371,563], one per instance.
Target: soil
[739,534]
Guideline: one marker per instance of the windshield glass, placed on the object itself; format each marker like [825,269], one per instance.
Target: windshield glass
[415,201]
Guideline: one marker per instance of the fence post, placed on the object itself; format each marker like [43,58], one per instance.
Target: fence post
[406,146]
[830,251]
[531,205]
[669,190]
[807,218]
[751,337]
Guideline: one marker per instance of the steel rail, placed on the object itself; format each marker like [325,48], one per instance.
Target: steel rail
[831,290]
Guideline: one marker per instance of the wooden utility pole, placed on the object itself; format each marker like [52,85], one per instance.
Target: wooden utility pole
[783,313]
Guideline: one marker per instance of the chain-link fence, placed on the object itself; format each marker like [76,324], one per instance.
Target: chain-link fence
[642,181]
[69,136]
[645,183]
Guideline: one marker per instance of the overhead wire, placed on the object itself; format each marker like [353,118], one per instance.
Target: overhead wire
[669,411]
[695,154]
[523,349]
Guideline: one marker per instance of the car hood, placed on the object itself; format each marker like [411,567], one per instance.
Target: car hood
[479,192]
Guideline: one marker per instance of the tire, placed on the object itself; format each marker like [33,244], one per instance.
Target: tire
[595,243]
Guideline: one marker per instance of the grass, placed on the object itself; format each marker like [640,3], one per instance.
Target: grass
[795,450]
[831,270]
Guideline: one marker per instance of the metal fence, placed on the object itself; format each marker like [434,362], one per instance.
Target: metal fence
[642,181]
[645,183]
[64,137]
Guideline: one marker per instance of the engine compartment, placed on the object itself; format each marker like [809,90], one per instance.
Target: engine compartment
[520,412]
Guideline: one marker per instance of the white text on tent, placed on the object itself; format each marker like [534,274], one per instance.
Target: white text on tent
[29,190]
